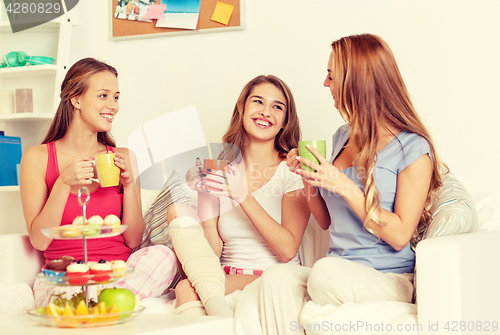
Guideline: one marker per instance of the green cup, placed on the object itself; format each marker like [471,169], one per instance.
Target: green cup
[304,152]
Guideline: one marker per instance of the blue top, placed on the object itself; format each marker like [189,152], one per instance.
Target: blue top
[348,238]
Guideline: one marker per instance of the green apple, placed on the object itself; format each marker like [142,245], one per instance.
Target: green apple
[123,298]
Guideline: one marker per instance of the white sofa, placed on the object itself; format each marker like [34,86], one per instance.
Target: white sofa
[458,279]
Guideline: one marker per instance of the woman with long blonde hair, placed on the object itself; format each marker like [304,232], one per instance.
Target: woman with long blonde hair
[374,194]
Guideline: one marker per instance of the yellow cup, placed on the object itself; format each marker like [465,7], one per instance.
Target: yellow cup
[108,174]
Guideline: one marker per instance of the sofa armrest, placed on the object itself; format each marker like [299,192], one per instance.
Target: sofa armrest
[19,261]
[457,281]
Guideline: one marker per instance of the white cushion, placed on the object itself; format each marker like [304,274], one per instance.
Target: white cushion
[16,299]
[19,261]
[458,279]
[488,210]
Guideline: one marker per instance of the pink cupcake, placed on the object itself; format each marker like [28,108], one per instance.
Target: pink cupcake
[101,271]
[77,274]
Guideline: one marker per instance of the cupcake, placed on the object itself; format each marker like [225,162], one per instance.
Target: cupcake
[96,219]
[101,271]
[113,221]
[77,274]
[78,220]
[119,268]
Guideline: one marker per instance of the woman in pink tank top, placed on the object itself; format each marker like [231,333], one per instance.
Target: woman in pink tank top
[52,174]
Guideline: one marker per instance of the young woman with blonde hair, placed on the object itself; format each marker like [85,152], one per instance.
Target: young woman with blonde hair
[254,214]
[374,195]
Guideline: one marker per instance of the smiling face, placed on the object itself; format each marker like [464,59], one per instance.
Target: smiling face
[329,79]
[99,104]
[265,112]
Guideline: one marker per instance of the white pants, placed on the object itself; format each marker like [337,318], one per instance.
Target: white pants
[332,280]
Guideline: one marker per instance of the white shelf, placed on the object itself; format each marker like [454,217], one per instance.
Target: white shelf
[28,71]
[48,26]
[9,189]
[26,117]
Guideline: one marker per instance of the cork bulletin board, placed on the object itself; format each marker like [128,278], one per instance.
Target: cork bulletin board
[127,29]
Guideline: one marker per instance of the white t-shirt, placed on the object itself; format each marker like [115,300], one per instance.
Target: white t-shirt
[243,246]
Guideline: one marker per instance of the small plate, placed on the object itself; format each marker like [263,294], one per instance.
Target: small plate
[85,321]
[85,279]
[76,232]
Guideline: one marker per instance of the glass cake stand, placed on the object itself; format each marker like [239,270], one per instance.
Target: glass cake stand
[84,232]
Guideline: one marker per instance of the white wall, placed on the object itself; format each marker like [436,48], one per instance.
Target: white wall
[448,52]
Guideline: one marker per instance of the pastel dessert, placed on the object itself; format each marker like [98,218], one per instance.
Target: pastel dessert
[71,230]
[119,268]
[57,268]
[91,229]
[59,264]
[77,273]
[101,271]
[96,219]
[113,221]
[78,220]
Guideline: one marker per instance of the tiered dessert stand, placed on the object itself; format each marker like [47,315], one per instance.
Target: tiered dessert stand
[78,321]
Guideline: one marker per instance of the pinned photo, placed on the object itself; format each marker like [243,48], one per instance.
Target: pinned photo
[181,14]
[134,10]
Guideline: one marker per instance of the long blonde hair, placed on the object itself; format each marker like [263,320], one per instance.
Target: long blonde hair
[371,94]
[288,137]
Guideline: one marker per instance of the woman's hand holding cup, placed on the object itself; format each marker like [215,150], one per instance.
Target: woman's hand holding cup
[194,177]
[318,151]
[291,159]
[126,176]
[229,182]
[79,172]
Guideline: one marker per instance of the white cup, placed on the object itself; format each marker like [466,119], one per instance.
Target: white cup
[6,102]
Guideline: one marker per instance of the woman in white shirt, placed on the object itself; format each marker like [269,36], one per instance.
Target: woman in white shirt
[253,213]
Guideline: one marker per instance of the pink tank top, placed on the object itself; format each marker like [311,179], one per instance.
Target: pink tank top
[103,201]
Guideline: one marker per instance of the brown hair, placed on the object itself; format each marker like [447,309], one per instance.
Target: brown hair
[75,83]
[370,93]
[285,140]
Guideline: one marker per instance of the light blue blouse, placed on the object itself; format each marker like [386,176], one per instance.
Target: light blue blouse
[348,238]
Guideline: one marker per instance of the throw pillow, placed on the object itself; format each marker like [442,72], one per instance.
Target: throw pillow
[453,213]
[155,219]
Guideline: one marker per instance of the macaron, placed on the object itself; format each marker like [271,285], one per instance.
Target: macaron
[91,229]
[71,230]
